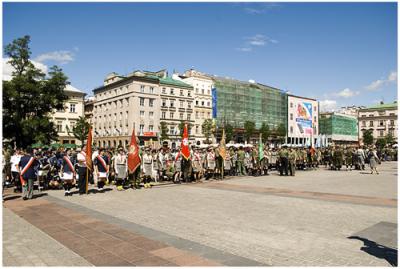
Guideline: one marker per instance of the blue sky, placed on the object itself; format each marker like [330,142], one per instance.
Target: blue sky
[339,53]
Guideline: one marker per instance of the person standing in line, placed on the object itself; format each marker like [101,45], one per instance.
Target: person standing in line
[68,172]
[227,163]
[178,168]
[197,165]
[283,157]
[26,169]
[83,174]
[101,166]
[147,168]
[14,170]
[240,162]
[292,162]
[210,163]
[121,168]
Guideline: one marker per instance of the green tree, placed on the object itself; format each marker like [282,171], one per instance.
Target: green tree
[228,132]
[249,129]
[281,132]
[163,131]
[29,98]
[80,130]
[380,143]
[368,139]
[389,139]
[207,129]
[181,126]
[265,132]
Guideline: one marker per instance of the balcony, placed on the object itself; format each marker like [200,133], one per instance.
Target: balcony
[172,108]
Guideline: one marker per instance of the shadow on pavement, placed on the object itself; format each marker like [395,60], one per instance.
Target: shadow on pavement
[12,197]
[39,195]
[379,251]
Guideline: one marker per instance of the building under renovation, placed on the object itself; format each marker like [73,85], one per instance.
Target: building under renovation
[339,128]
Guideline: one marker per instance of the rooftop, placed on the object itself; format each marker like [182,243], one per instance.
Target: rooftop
[70,88]
[174,82]
[384,106]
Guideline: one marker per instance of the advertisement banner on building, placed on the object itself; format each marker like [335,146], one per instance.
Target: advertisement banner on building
[304,118]
[214,102]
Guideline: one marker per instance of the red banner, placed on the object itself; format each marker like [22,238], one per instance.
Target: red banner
[185,143]
[133,154]
[88,152]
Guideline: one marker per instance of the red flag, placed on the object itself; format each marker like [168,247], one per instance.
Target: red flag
[88,152]
[133,154]
[185,143]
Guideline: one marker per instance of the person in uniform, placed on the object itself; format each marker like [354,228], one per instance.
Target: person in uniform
[14,160]
[68,172]
[197,165]
[349,158]
[241,161]
[101,167]
[228,163]
[120,168]
[265,161]
[83,172]
[26,168]
[283,158]
[233,161]
[373,159]
[186,166]
[210,163]
[178,168]
[147,168]
[292,161]
[155,165]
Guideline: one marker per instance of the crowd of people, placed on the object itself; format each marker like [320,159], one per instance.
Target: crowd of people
[66,168]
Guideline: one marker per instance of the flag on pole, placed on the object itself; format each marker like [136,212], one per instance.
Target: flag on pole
[185,151]
[133,154]
[260,149]
[89,163]
[222,145]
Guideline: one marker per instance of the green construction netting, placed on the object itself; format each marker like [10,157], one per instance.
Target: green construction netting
[338,125]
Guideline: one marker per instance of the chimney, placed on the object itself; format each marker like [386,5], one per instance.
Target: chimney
[381,102]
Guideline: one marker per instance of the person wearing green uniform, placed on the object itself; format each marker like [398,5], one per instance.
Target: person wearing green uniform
[283,158]
[240,162]
[349,158]
[292,162]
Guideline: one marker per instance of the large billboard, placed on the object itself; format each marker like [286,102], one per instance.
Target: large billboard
[303,118]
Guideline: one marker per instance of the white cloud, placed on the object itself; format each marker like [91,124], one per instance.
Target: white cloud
[257,40]
[61,56]
[378,84]
[261,8]
[328,105]
[347,93]
[8,69]
[245,49]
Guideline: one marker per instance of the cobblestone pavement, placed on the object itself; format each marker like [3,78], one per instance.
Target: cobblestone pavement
[270,229]
[26,245]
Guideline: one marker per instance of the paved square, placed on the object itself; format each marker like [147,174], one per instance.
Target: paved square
[295,221]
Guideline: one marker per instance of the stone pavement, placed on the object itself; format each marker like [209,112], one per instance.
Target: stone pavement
[306,220]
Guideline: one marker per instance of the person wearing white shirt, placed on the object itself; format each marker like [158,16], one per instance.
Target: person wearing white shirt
[14,170]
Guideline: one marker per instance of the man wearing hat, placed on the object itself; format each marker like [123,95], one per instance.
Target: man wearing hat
[121,168]
[283,159]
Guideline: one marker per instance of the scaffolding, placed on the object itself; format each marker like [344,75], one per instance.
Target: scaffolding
[238,102]
[340,127]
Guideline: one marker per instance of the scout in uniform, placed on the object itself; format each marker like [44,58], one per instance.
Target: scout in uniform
[178,168]
[210,163]
[349,158]
[283,157]
[292,162]
[101,166]
[82,171]
[68,172]
[26,167]
[240,162]
[197,165]
[121,168]
[147,168]
[228,163]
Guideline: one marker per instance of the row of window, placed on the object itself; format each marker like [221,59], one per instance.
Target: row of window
[380,123]
[382,132]
[59,126]
[202,91]
[111,105]
[172,92]
[172,114]
[172,103]
[381,113]
[202,115]
[71,109]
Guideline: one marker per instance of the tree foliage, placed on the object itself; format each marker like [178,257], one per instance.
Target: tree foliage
[380,143]
[29,97]
[80,130]
[207,129]
[389,139]
[249,129]
[265,132]
[281,132]
[163,131]
[368,139]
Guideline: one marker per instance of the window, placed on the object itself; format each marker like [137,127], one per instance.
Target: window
[151,114]
[163,115]
[202,103]
[172,91]
[315,109]
[381,123]
[127,101]
[188,116]
[141,113]
[202,115]
[371,123]
[380,133]
[151,89]
[363,123]
[208,115]
[181,93]
[391,122]
[208,103]
[164,90]
[197,103]
[181,116]
[150,128]
[371,115]
[291,105]
[391,114]
[172,130]
[141,101]
[72,108]
[315,118]
[197,114]
[202,91]
[291,116]
[141,88]
[291,129]
[189,105]
[151,102]
[171,115]
[180,103]
[171,103]
[197,129]
[59,126]
[208,92]
[164,102]
[189,94]
[197,90]
[141,128]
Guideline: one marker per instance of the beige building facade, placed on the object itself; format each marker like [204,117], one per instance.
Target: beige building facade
[202,85]
[381,119]
[65,119]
